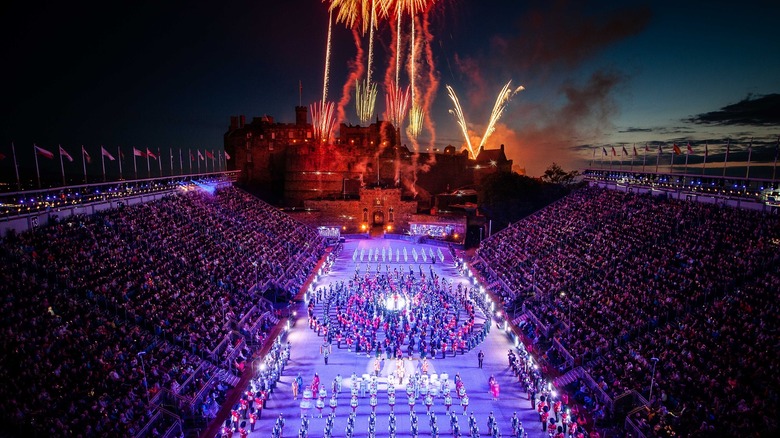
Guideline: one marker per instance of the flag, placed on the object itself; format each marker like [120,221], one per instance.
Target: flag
[44,153]
[647,148]
[209,155]
[65,154]
[603,149]
[200,156]
[86,154]
[676,149]
[636,154]
[706,149]
[227,157]
[106,153]
[625,152]
[690,149]
[150,154]
[138,153]
[613,151]
[192,157]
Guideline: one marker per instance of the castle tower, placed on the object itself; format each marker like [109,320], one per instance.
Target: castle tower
[301,115]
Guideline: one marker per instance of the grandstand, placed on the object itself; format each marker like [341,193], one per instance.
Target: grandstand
[640,295]
[165,295]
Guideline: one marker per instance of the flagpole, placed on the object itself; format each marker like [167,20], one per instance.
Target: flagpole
[135,166]
[644,159]
[181,164]
[658,159]
[16,168]
[170,152]
[214,162]
[632,158]
[37,169]
[190,151]
[774,166]
[750,153]
[84,163]
[148,167]
[62,166]
[726,158]
[704,163]
[671,163]
[119,158]
[687,153]
[103,162]
[198,160]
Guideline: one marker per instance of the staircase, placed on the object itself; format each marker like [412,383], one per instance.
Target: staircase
[227,377]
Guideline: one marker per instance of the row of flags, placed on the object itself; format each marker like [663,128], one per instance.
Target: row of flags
[64,155]
[677,150]
[136,152]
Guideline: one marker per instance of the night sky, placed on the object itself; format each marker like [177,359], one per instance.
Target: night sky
[170,74]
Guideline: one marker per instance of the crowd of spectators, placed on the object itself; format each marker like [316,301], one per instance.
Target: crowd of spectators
[102,313]
[619,278]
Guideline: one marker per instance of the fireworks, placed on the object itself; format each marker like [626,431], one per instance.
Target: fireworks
[365,98]
[363,13]
[323,120]
[353,12]
[416,119]
[458,113]
[498,109]
[397,101]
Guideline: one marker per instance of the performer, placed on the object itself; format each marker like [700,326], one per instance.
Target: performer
[353,403]
[333,403]
[373,402]
[464,401]
[391,401]
[252,419]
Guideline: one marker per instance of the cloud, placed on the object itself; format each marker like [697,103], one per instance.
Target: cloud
[566,33]
[632,130]
[761,110]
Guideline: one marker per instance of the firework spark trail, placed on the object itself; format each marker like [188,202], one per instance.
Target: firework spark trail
[326,77]
[365,96]
[458,113]
[355,71]
[416,114]
[498,109]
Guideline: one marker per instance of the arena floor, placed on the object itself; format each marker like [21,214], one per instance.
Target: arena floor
[307,360]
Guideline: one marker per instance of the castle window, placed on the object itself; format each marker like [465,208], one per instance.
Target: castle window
[392,215]
[365,215]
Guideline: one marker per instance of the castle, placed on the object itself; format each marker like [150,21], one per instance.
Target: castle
[286,165]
